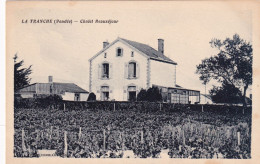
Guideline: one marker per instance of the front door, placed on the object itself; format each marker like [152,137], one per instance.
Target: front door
[104,93]
[132,96]
[105,96]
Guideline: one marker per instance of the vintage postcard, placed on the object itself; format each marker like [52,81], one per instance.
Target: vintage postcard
[132,82]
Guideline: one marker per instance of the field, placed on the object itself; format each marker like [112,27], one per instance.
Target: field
[90,133]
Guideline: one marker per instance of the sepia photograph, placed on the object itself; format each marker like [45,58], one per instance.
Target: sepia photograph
[165,80]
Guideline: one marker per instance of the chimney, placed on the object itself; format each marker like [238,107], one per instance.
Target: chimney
[105,44]
[50,79]
[161,45]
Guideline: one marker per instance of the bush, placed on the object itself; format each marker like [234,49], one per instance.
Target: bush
[142,95]
[227,93]
[154,95]
[51,101]
[92,97]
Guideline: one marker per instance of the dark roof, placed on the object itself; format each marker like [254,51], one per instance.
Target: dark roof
[69,87]
[57,87]
[175,87]
[149,51]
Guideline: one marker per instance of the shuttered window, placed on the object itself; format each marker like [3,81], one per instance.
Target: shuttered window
[105,70]
[132,70]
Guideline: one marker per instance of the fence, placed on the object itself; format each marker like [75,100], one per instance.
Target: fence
[124,105]
[96,143]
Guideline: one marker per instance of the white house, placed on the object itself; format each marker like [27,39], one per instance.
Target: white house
[122,68]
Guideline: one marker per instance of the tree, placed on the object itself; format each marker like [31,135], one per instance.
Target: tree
[92,97]
[232,65]
[21,75]
[227,93]
[142,95]
[153,94]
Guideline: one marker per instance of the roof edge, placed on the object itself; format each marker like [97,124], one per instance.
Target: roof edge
[122,40]
[176,88]
[104,49]
[117,39]
[160,60]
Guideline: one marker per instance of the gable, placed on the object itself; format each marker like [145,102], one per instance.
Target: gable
[113,43]
[143,49]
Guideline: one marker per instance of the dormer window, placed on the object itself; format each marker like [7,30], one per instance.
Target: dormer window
[119,52]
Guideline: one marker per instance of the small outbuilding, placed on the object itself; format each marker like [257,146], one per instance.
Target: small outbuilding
[68,91]
[179,95]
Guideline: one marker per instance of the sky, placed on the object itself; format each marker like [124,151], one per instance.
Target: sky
[63,50]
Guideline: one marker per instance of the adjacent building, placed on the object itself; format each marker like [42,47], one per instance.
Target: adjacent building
[68,91]
[122,68]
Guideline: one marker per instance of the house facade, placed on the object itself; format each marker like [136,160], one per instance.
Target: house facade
[122,68]
[68,91]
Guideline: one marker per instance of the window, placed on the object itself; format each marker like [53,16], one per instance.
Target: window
[132,70]
[105,55]
[104,93]
[119,52]
[77,97]
[184,99]
[179,98]
[105,70]
[132,54]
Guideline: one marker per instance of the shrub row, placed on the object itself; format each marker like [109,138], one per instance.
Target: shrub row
[55,102]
